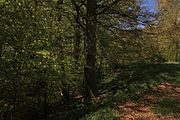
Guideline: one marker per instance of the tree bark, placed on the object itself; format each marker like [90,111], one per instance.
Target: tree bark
[177,51]
[77,39]
[90,74]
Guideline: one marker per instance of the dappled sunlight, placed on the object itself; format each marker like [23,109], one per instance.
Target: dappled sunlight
[144,108]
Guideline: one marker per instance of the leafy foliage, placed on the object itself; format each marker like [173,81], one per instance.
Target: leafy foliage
[43,56]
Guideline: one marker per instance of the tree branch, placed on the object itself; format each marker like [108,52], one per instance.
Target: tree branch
[108,7]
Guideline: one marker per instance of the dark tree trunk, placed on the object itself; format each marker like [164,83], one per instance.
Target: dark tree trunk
[90,75]
[45,105]
[1,48]
[77,29]
[77,42]
[177,51]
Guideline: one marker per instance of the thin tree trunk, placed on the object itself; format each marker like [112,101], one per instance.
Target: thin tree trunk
[77,42]
[90,75]
[177,51]
[77,29]
[1,48]
[45,105]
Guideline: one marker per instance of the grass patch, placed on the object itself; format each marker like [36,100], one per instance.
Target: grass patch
[168,106]
[136,78]
[100,114]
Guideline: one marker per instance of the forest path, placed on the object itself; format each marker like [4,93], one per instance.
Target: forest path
[160,103]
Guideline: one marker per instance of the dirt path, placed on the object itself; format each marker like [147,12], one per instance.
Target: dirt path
[143,109]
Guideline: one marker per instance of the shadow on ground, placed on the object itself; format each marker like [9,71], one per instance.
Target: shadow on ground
[131,83]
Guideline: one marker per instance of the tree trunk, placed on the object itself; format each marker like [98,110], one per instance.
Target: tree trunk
[177,51]
[77,42]
[90,75]
[77,29]
[1,47]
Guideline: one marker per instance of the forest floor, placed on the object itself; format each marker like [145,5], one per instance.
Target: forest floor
[160,103]
[140,92]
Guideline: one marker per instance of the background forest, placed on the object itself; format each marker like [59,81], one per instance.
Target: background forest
[63,59]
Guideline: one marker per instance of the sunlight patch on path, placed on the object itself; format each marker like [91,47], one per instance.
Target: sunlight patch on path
[143,108]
